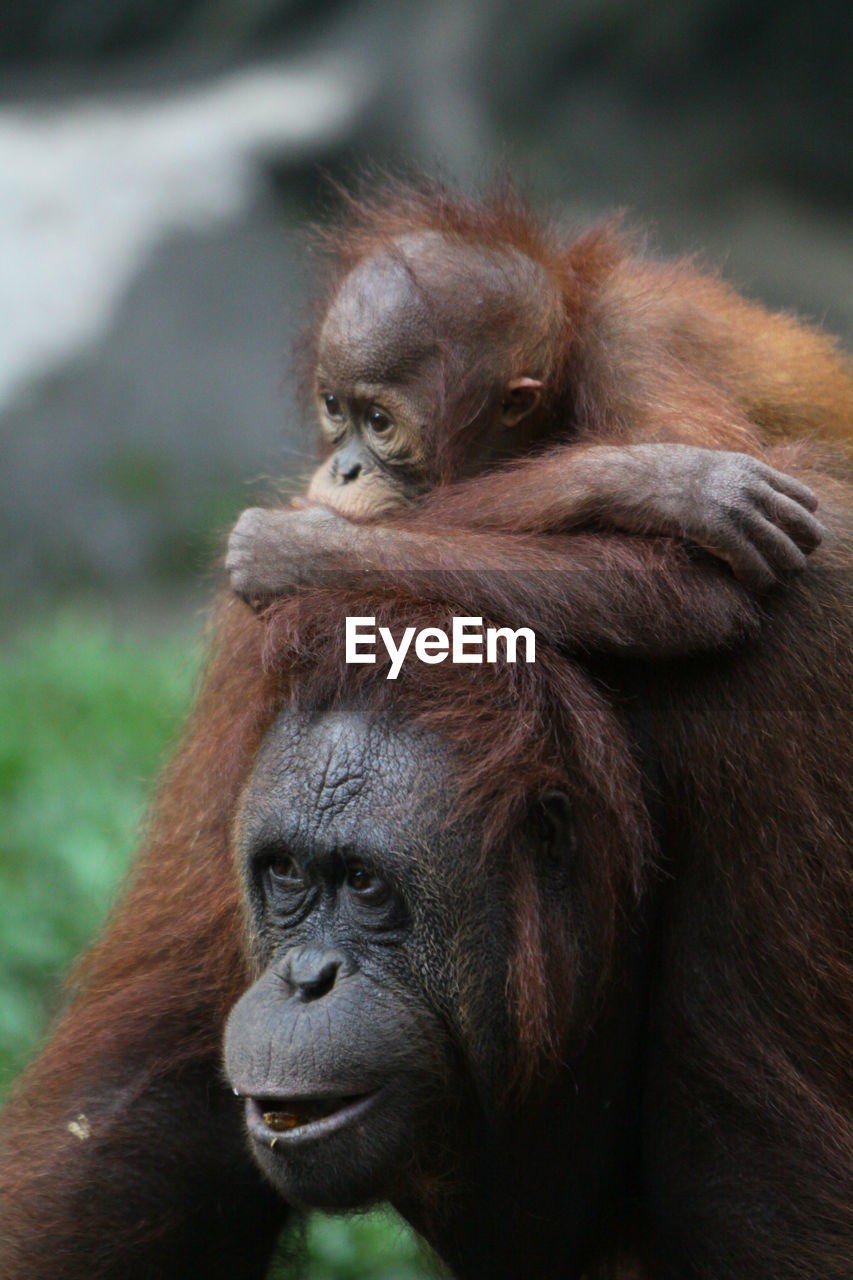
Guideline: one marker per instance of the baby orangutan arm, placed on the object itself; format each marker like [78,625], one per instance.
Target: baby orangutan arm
[622,595]
[732,505]
[729,504]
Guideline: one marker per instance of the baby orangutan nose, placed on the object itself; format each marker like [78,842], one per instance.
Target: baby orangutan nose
[311,972]
[348,464]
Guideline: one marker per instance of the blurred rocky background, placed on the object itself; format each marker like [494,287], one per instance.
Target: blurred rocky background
[160,159]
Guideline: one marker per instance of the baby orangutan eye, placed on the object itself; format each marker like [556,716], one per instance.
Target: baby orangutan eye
[332,406]
[378,420]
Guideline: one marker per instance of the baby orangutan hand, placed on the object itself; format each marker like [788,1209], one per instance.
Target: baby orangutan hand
[274,551]
[736,507]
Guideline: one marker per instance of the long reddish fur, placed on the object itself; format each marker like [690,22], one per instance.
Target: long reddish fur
[649,349]
[755,768]
[761,736]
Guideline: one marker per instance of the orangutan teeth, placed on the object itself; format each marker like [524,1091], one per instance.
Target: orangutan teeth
[280,1120]
[287,1114]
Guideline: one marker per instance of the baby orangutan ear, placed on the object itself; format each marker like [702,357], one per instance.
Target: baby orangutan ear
[521,396]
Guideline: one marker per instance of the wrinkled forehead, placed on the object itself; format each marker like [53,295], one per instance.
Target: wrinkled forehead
[346,778]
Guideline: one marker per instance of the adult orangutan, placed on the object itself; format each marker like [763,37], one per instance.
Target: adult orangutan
[461,335]
[594,914]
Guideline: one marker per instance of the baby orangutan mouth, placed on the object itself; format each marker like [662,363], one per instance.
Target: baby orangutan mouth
[272,1118]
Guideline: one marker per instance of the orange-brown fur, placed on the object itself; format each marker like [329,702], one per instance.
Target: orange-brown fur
[174,945]
[712,792]
[751,792]
[650,350]
[746,761]
[643,353]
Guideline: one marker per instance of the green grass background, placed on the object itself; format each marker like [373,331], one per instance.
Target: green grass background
[87,717]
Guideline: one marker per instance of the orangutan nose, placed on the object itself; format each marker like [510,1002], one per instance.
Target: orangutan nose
[311,972]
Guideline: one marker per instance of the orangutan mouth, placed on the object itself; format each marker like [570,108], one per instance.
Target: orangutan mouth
[271,1119]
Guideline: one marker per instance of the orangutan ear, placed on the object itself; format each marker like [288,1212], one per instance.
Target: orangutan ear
[521,396]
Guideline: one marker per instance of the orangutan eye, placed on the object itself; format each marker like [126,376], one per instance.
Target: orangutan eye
[284,873]
[332,406]
[378,420]
[367,885]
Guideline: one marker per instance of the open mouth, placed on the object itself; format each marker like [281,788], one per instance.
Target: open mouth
[274,1120]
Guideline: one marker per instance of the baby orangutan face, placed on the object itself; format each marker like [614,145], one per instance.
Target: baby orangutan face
[373,418]
[376,465]
[411,330]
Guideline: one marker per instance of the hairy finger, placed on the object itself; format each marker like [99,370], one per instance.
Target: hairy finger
[779,551]
[790,487]
[790,516]
[746,561]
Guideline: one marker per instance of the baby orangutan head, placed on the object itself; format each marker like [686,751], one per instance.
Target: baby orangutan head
[432,362]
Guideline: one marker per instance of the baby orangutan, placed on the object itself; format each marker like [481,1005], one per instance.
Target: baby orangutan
[480,385]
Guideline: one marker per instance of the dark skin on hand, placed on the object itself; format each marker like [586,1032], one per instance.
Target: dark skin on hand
[474,380]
